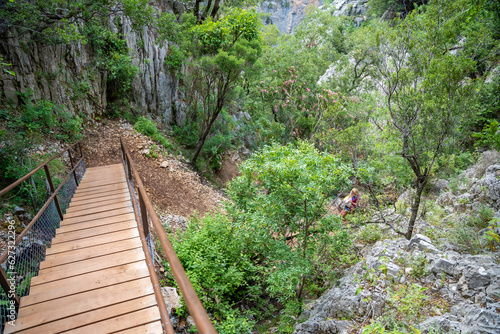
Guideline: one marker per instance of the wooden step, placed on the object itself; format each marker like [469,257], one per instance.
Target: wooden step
[88,266]
[96,222]
[94,252]
[104,313]
[91,232]
[97,209]
[86,282]
[99,215]
[93,241]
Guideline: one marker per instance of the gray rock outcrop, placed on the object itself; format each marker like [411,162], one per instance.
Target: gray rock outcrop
[286,14]
[470,284]
[56,73]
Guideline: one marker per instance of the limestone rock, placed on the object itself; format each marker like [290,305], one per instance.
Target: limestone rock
[423,243]
[443,265]
[324,327]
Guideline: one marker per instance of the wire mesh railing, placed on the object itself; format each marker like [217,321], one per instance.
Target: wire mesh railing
[20,261]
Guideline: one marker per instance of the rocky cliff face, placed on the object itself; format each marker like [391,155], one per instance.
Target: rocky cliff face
[56,73]
[287,14]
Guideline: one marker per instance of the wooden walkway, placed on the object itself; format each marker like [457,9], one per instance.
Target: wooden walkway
[94,278]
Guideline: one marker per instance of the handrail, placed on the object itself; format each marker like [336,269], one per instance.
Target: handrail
[25,177]
[4,283]
[193,303]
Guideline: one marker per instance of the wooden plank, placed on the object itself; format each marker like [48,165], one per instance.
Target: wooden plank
[118,324]
[100,183]
[98,197]
[151,328]
[108,188]
[99,215]
[90,253]
[105,166]
[93,231]
[102,208]
[86,282]
[93,241]
[98,315]
[94,223]
[75,206]
[45,312]
[87,266]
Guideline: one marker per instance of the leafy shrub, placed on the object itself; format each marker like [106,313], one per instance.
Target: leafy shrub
[489,136]
[174,59]
[148,127]
[370,233]
[214,254]
[466,238]
[113,57]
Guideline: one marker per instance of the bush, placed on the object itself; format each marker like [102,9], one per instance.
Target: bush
[213,252]
[466,238]
[489,136]
[148,127]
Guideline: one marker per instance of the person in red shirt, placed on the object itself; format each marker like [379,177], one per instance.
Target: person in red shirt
[350,202]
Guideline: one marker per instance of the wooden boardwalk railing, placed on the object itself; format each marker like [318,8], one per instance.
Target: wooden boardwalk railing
[95,278]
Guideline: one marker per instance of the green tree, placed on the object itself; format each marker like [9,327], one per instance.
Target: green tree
[224,49]
[281,196]
[425,86]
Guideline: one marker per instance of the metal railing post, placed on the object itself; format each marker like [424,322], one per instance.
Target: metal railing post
[8,289]
[52,189]
[72,166]
[144,215]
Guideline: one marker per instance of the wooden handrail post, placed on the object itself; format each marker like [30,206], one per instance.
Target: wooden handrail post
[144,215]
[52,189]
[72,166]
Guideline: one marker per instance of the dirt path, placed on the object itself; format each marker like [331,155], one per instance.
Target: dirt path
[173,188]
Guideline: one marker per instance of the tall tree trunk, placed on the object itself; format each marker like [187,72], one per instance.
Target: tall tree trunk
[197,10]
[204,136]
[205,13]
[215,9]
[420,185]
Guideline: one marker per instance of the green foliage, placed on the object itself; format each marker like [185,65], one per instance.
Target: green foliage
[223,33]
[272,240]
[113,57]
[148,128]
[489,136]
[214,253]
[3,66]
[174,59]
[36,118]
[283,191]
[370,234]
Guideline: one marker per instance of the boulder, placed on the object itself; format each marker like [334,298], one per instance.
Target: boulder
[443,265]
[440,186]
[477,278]
[441,324]
[324,327]
[423,243]
[446,199]
[476,319]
